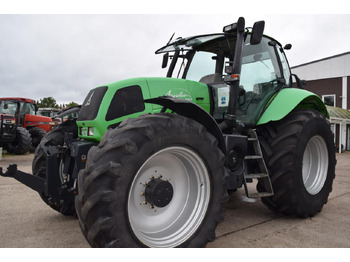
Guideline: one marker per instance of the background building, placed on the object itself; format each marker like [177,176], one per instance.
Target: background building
[330,79]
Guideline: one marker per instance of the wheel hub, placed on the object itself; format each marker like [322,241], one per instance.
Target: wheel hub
[159,192]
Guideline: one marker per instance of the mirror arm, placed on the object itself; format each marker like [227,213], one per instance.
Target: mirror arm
[165,60]
[300,83]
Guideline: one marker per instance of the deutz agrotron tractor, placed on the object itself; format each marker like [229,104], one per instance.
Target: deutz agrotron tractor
[149,162]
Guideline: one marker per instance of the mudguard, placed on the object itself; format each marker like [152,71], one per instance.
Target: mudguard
[287,100]
[193,111]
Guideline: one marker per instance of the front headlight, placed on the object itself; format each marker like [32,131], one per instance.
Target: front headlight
[87,131]
[90,131]
[83,131]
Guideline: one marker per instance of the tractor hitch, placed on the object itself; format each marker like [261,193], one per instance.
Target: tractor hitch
[48,185]
[34,182]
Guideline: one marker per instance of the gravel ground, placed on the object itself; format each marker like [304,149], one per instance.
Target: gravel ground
[27,222]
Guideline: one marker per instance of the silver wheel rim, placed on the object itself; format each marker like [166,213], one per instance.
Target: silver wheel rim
[315,165]
[173,224]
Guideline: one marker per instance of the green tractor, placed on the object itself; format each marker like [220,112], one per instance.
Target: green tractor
[149,162]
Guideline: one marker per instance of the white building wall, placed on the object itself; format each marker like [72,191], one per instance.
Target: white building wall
[337,66]
[331,67]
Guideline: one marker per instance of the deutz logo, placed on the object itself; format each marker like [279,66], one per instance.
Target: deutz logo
[89,101]
[180,93]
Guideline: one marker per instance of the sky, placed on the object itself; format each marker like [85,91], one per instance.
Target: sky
[54,53]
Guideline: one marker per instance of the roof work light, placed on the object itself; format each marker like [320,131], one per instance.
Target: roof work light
[230,28]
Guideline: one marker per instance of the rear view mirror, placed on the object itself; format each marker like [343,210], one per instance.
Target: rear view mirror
[287,47]
[257,32]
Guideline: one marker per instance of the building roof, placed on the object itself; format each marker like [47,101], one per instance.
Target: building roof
[338,114]
[329,67]
[322,59]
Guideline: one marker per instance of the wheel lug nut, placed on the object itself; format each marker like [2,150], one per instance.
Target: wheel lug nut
[151,206]
[142,193]
[151,177]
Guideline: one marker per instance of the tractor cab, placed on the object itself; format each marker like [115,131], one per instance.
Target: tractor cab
[209,59]
[18,107]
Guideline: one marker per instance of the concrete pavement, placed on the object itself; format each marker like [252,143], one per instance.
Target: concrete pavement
[26,221]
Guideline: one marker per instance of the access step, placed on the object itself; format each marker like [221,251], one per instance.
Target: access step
[256,176]
[256,159]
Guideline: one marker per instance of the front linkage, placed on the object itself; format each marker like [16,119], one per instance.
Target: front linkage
[59,187]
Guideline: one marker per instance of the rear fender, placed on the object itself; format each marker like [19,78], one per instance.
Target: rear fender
[287,100]
[188,109]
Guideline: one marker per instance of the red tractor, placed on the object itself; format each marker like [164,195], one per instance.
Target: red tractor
[26,121]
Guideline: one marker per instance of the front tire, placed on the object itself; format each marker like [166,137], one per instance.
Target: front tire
[22,143]
[300,154]
[155,181]
[39,166]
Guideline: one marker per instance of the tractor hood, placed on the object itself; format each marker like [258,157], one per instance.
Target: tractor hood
[179,88]
[107,106]
[42,122]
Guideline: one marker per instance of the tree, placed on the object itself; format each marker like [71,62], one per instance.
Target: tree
[47,102]
[71,104]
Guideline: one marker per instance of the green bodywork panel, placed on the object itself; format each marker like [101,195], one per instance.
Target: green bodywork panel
[151,88]
[280,105]
[287,100]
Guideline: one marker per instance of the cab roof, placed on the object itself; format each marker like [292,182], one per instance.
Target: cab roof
[20,99]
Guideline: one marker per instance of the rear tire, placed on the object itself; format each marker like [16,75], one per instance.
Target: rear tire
[300,154]
[22,143]
[155,181]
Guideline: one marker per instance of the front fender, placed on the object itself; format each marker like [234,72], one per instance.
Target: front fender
[193,111]
[287,100]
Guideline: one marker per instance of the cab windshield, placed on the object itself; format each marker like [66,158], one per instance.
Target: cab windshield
[10,107]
